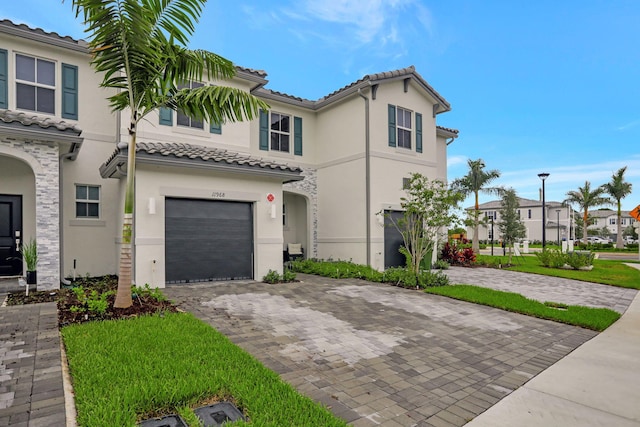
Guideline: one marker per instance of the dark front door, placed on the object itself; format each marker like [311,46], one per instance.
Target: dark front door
[10,232]
[208,240]
[392,241]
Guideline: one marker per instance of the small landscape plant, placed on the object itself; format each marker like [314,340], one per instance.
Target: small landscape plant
[441,265]
[551,258]
[457,255]
[274,277]
[29,253]
[579,260]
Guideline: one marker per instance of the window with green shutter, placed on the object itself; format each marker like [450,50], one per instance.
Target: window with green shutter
[392,125]
[166,116]
[69,91]
[297,136]
[264,130]
[418,132]
[4,96]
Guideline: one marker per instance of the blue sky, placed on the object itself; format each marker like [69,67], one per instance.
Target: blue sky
[542,86]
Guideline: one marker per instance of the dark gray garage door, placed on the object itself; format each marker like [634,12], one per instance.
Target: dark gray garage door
[392,241]
[208,240]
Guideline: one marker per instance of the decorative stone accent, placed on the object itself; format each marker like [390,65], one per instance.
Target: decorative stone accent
[309,187]
[47,213]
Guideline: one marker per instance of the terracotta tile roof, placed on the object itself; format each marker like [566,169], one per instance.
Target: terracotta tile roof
[31,119]
[207,154]
[259,73]
[456,131]
[24,27]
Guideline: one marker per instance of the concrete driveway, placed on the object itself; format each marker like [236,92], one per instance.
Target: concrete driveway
[380,355]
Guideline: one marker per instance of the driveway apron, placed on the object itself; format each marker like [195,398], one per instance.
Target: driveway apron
[380,355]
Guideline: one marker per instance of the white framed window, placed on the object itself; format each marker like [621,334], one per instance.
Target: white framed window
[403,123]
[87,201]
[284,215]
[280,132]
[183,119]
[35,84]
[612,221]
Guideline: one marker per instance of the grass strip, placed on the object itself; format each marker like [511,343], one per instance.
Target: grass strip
[127,370]
[597,319]
[607,272]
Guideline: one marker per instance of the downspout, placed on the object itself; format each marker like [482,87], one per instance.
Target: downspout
[67,156]
[367,158]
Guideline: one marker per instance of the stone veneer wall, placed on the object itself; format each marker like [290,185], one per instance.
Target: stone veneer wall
[47,209]
[309,187]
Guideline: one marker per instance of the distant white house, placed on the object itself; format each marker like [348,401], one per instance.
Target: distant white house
[560,223]
[609,218]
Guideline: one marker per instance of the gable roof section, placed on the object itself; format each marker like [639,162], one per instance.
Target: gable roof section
[367,81]
[196,156]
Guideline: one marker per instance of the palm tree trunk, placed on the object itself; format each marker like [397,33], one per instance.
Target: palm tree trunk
[475,246]
[619,243]
[585,224]
[123,295]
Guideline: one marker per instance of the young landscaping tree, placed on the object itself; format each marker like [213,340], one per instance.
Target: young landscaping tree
[587,198]
[618,189]
[140,47]
[510,225]
[428,208]
[474,182]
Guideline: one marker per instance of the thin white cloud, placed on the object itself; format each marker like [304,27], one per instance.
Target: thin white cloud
[629,125]
[456,160]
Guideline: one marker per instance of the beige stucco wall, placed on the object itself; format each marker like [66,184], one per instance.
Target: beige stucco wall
[161,182]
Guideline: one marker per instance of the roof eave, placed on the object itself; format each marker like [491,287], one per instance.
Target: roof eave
[115,168]
[32,34]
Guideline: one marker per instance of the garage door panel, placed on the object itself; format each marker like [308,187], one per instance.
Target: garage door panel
[208,240]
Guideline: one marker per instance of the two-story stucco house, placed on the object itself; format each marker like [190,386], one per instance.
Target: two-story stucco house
[608,218]
[213,202]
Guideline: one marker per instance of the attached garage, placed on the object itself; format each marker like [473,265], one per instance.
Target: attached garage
[392,240]
[208,240]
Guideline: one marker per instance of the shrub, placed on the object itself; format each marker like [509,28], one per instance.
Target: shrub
[441,265]
[579,259]
[455,255]
[428,279]
[551,258]
[400,276]
[273,277]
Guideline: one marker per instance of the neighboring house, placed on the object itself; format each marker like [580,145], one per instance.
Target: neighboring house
[559,221]
[213,201]
[609,218]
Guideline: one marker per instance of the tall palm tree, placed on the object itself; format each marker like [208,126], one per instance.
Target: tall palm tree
[618,189]
[474,182]
[140,46]
[587,198]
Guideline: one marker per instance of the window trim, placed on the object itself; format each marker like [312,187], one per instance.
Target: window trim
[403,128]
[87,201]
[288,133]
[35,84]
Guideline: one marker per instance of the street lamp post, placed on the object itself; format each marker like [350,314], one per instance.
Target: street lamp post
[543,176]
[492,235]
[558,224]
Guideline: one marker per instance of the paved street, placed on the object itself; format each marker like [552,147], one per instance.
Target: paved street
[380,355]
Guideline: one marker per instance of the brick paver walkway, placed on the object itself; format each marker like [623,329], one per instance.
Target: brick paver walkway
[31,387]
[546,288]
[380,355]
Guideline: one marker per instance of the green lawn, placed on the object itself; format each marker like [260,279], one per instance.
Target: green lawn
[124,371]
[597,319]
[607,272]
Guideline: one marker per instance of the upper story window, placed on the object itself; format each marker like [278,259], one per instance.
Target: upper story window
[401,128]
[612,221]
[277,132]
[183,119]
[87,201]
[280,132]
[35,84]
[404,128]
[529,214]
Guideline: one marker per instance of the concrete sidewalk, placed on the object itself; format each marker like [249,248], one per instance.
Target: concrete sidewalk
[598,384]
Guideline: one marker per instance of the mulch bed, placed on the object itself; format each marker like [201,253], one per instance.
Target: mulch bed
[67,300]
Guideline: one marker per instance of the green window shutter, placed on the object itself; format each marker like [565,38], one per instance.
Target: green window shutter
[166,116]
[4,95]
[419,132]
[392,125]
[297,136]
[69,91]
[216,128]
[264,130]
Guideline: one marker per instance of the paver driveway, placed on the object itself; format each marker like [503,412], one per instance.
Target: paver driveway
[380,355]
